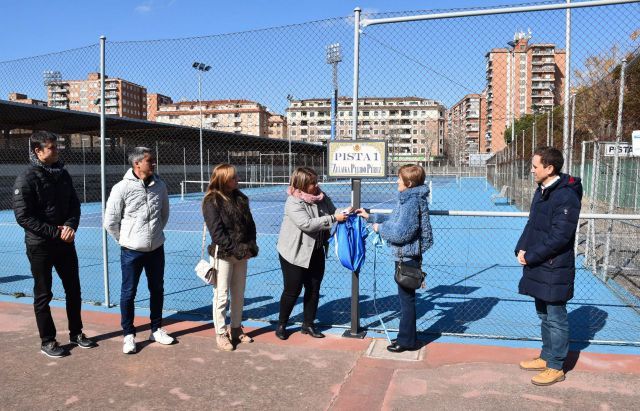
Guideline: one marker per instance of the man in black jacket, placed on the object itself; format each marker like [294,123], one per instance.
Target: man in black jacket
[545,250]
[47,207]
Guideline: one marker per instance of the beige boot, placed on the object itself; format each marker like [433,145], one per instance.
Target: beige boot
[537,364]
[548,377]
[238,336]
[222,340]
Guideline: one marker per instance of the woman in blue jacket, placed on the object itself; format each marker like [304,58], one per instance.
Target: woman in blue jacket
[408,232]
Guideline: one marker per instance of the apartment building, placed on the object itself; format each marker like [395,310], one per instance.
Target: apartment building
[231,116]
[465,127]
[278,126]
[523,79]
[413,126]
[24,99]
[122,98]
[154,101]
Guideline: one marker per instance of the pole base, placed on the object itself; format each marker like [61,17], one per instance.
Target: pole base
[349,334]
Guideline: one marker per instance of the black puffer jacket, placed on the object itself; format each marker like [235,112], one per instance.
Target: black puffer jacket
[42,202]
[548,241]
[230,225]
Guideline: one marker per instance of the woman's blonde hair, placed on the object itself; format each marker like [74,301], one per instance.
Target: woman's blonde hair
[412,175]
[302,177]
[220,176]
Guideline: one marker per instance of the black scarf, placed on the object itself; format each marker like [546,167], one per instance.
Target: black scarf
[54,169]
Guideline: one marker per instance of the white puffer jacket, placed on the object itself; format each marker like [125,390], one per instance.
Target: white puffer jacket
[136,214]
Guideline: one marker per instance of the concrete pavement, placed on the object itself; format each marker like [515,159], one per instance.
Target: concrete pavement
[300,373]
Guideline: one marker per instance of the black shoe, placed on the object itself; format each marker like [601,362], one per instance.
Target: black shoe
[308,329]
[82,341]
[397,348]
[281,331]
[53,350]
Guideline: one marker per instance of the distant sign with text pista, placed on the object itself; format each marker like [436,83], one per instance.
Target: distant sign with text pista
[624,150]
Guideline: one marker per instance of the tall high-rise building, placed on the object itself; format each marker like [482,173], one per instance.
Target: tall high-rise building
[413,126]
[522,79]
[122,98]
[465,128]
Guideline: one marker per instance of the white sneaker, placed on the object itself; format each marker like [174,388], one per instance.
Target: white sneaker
[161,336]
[129,346]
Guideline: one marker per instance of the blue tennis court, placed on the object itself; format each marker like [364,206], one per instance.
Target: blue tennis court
[472,272]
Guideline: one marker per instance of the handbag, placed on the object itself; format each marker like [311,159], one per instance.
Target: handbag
[409,276]
[207,271]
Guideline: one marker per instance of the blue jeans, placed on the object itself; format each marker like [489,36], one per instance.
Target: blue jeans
[555,332]
[407,330]
[132,263]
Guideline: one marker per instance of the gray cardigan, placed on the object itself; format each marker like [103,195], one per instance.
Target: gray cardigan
[300,227]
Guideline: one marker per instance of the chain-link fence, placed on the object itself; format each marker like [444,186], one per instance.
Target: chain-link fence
[444,93]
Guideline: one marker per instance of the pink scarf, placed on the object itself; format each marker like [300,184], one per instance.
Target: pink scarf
[306,197]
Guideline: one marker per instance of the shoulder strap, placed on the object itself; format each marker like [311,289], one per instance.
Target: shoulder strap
[204,239]
[420,233]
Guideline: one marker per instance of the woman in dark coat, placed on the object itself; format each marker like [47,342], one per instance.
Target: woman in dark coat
[233,231]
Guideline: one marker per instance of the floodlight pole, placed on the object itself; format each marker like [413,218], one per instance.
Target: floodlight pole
[103,180]
[201,67]
[334,56]
[200,106]
[355,331]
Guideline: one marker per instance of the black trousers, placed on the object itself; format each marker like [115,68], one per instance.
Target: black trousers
[294,278]
[63,257]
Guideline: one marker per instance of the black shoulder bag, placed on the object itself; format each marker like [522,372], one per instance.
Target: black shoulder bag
[409,276]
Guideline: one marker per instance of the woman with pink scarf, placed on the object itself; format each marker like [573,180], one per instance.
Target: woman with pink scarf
[308,216]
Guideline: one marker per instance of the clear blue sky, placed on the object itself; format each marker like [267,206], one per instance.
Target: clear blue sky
[442,59]
[34,27]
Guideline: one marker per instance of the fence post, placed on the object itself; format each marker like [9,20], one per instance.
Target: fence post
[583,157]
[567,88]
[354,331]
[103,179]
[594,198]
[614,182]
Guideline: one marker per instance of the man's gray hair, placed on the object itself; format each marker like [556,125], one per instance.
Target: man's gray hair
[137,154]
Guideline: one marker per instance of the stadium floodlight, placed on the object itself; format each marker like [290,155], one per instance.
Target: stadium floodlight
[51,76]
[201,68]
[334,56]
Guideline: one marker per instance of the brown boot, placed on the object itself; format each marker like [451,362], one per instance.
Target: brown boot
[537,364]
[548,377]
[222,340]
[238,336]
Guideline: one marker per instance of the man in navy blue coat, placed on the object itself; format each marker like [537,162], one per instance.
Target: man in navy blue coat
[545,250]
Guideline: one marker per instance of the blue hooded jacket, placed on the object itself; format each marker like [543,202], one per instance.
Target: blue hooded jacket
[400,228]
[548,240]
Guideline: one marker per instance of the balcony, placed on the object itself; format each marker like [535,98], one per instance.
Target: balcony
[111,103]
[59,105]
[58,89]
[60,98]
[544,52]
[111,111]
[111,86]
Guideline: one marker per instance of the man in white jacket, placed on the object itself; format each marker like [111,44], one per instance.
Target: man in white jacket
[136,213]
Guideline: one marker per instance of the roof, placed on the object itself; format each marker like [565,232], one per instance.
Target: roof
[25,116]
